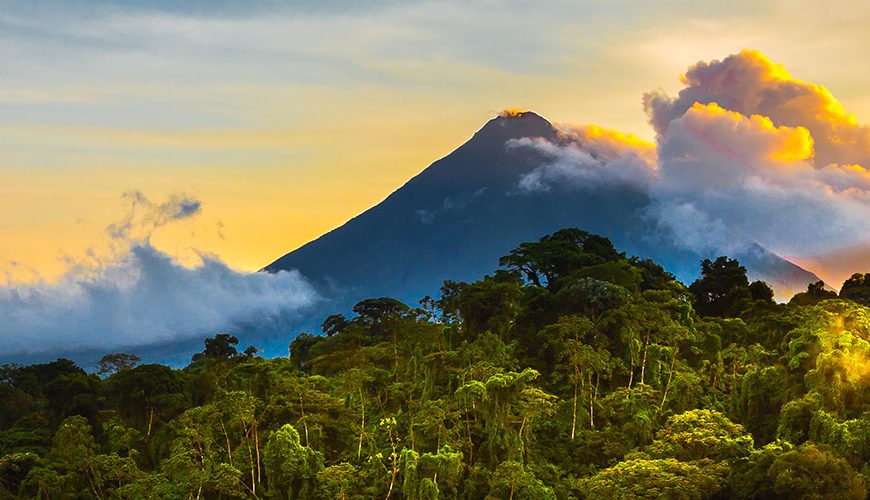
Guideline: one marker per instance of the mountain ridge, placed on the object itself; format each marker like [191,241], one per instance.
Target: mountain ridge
[456,217]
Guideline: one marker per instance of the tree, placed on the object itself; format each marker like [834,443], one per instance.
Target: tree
[300,349]
[815,293]
[333,324]
[75,466]
[375,311]
[250,352]
[857,288]
[221,346]
[701,434]
[657,478]
[491,304]
[14,467]
[584,362]
[508,407]
[148,396]
[811,472]
[722,290]
[291,467]
[114,363]
[761,292]
[557,255]
[602,382]
[335,481]
[650,323]
[512,480]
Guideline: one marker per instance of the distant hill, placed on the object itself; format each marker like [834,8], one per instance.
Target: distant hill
[457,217]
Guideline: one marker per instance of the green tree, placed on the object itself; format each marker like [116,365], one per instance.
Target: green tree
[291,467]
[556,255]
[512,480]
[657,478]
[701,434]
[336,481]
[812,472]
[722,290]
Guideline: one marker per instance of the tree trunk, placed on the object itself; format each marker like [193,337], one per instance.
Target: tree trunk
[394,473]
[304,420]
[643,359]
[574,417]
[227,436]
[94,488]
[670,377]
[470,441]
[591,402]
[257,448]
[413,438]
[253,477]
[150,420]
[594,397]
[362,424]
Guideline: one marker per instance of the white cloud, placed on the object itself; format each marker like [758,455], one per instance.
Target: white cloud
[745,154]
[589,157]
[140,296]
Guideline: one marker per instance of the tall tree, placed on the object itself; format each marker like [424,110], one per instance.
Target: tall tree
[722,290]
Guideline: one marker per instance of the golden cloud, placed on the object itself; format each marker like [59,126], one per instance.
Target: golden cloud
[751,84]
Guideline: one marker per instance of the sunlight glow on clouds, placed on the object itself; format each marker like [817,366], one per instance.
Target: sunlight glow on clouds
[289,118]
[746,154]
[751,84]
[593,156]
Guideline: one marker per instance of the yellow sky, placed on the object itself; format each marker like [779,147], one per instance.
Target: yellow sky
[286,124]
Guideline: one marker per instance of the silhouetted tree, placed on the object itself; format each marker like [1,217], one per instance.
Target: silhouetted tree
[334,323]
[114,363]
[857,288]
[221,346]
[815,293]
[722,290]
[761,292]
[557,255]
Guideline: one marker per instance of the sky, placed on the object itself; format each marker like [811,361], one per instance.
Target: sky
[285,119]
[154,154]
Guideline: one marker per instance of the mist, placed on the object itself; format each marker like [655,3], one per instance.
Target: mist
[139,296]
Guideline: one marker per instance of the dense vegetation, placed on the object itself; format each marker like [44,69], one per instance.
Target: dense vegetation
[572,371]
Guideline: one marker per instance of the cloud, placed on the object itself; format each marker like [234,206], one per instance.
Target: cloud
[751,84]
[145,216]
[140,296]
[590,157]
[746,180]
[745,154]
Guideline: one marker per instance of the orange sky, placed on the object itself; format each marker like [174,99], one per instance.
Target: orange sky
[287,123]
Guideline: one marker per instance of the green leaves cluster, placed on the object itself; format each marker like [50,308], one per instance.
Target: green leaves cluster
[572,372]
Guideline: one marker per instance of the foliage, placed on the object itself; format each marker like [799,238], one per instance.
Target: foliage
[572,372]
[857,288]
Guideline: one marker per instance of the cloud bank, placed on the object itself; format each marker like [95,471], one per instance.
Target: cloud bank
[751,84]
[140,296]
[744,154]
[592,157]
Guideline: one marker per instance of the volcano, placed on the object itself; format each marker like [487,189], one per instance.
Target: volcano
[458,216]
